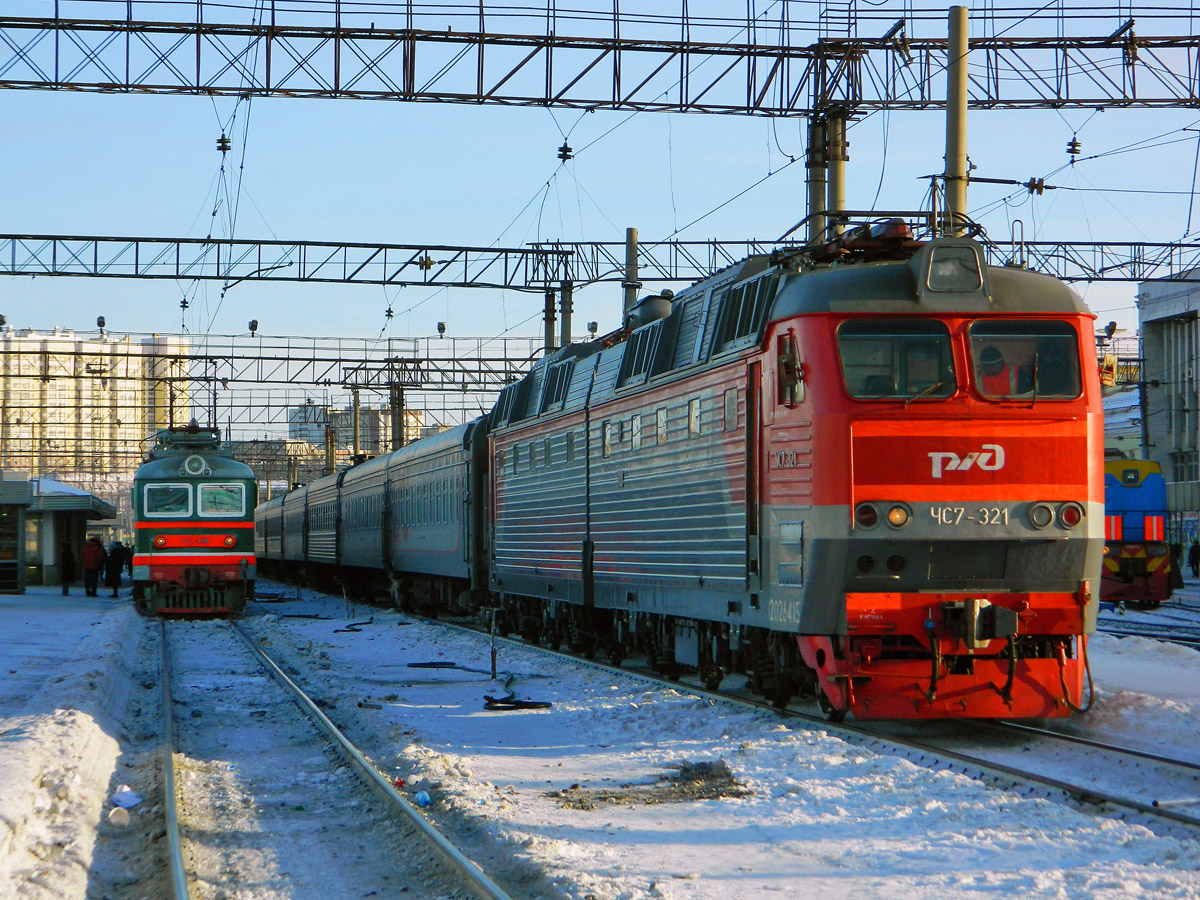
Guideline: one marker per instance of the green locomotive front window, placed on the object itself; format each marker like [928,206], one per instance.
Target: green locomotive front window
[908,359]
[168,500]
[220,500]
[1028,359]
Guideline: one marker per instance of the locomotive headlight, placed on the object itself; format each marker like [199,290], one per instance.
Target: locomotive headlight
[898,516]
[1156,549]
[1070,514]
[230,540]
[1041,515]
[160,540]
[866,515]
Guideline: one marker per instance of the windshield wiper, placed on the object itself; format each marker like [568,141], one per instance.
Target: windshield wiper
[929,390]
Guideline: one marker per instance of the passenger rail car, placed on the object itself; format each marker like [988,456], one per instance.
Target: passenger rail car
[1137,559]
[194,510]
[870,473]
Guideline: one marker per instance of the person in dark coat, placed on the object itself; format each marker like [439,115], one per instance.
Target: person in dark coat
[1194,558]
[113,565]
[66,568]
[92,559]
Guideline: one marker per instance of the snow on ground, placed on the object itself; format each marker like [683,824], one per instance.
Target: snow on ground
[64,684]
[617,789]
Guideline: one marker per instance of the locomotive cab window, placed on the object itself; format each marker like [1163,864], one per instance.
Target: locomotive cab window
[906,359]
[1028,359]
[218,500]
[163,500]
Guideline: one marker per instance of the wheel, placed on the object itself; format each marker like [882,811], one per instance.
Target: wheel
[711,676]
[833,715]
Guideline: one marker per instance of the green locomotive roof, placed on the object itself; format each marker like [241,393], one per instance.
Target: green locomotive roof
[191,451]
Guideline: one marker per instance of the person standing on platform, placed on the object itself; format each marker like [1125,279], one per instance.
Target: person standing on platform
[1194,558]
[113,565]
[66,568]
[92,559]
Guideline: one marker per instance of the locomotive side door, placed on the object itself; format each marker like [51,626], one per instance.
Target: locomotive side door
[753,430]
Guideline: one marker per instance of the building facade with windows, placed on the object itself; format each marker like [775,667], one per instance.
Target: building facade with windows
[1169,322]
[83,408]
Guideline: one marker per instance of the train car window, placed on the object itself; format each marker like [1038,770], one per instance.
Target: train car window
[1028,359]
[546,451]
[730,419]
[635,433]
[660,425]
[906,359]
[168,500]
[606,439]
[570,446]
[516,457]
[694,415]
[217,500]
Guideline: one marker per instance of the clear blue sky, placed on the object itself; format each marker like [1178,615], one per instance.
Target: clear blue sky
[407,172]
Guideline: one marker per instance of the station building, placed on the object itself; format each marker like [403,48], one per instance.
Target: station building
[1169,323]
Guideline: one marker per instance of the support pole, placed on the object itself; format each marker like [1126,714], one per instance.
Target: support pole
[818,166]
[548,316]
[956,122]
[396,396]
[838,157]
[565,307]
[631,283]
[357,432]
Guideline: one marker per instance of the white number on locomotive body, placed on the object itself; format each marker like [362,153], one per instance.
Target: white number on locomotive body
[783,612]
[993,516]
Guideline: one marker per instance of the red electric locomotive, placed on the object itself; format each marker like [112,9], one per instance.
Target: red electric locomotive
[872,472]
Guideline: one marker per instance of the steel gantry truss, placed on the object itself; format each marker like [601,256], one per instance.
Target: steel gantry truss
[753,65]
[536,267]
[232,261]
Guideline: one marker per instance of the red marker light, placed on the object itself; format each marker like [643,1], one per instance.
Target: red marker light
[866,515]
[1070,515]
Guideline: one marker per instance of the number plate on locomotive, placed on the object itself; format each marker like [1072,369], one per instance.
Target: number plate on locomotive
[970,515]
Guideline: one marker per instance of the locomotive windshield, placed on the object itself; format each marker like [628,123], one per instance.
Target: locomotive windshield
[1025,359]
[222,499]
[168,500]
[902,358]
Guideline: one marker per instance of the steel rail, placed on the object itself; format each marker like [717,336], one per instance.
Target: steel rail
[465,866]
[997,771]
[1087,742]
[174,846]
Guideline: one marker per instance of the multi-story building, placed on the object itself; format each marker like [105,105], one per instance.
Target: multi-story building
[310,421]
[82,408]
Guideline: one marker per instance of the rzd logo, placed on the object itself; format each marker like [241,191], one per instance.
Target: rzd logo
[990,458]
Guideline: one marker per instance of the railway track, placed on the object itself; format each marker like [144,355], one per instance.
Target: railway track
[260,800]
[1105,781]
[1090,771]
[1176,634]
